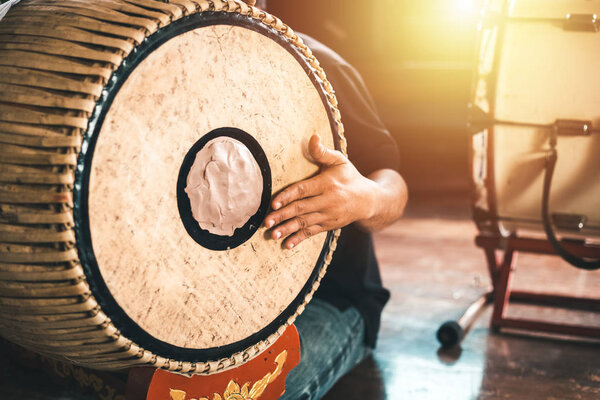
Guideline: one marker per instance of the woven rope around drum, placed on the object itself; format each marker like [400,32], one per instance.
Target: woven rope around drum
[39,154]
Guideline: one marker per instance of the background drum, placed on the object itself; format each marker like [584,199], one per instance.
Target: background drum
[103,109]
[535,101]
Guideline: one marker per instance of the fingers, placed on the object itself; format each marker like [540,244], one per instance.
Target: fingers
[313,186]
[297,221]
[293,210]
[299,211]
[301,235]
[322,155]
[307,188]
[297,224]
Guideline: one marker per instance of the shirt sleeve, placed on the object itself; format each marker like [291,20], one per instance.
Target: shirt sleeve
[370,145]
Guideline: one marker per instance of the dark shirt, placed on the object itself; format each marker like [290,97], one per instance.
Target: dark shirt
[353,276]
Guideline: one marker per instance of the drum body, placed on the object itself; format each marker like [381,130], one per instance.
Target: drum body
[536,76]
[106,108]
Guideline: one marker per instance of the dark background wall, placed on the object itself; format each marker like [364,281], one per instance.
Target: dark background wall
[417,57]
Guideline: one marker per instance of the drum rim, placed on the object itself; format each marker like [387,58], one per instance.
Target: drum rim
[127,327]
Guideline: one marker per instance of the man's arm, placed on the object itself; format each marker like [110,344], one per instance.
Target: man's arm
[338,196]
[389,202]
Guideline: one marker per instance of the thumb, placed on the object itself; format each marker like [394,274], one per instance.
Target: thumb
[322,155]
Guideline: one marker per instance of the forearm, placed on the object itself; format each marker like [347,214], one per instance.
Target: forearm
[388,200]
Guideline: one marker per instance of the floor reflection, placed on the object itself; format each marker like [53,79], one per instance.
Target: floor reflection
[525,367]
[416,368]
[364,382]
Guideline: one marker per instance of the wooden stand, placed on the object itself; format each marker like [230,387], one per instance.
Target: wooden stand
[262,378]
[501,271]
[501,276]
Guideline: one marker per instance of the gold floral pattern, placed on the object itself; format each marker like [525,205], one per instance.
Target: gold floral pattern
[233,390]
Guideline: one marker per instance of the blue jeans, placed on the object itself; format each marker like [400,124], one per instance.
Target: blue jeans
[332,343]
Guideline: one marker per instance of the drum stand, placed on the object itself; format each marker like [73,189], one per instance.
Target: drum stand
[501,271]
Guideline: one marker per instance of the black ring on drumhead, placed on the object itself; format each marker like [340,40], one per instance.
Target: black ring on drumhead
[129,328]
[241,235]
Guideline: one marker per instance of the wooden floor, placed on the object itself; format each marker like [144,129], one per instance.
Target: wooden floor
[434,271]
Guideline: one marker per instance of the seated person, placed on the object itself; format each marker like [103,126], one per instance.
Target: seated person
[360,194]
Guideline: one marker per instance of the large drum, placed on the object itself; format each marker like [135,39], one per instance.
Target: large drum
[536,105]
[141,142]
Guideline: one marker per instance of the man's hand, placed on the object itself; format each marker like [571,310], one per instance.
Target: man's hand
[338,196]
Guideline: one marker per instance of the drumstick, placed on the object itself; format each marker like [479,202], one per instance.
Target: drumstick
[452,332]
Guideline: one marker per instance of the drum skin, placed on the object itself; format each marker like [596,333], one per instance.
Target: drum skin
[102,106]
[531,73]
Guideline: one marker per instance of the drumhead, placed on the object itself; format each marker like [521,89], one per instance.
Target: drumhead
[162,288]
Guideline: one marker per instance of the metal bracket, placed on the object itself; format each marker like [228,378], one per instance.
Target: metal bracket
[572,127]
[569,222]
[581,22]
[477,119]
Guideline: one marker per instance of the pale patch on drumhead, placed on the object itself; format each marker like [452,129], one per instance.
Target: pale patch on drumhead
[224,186]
